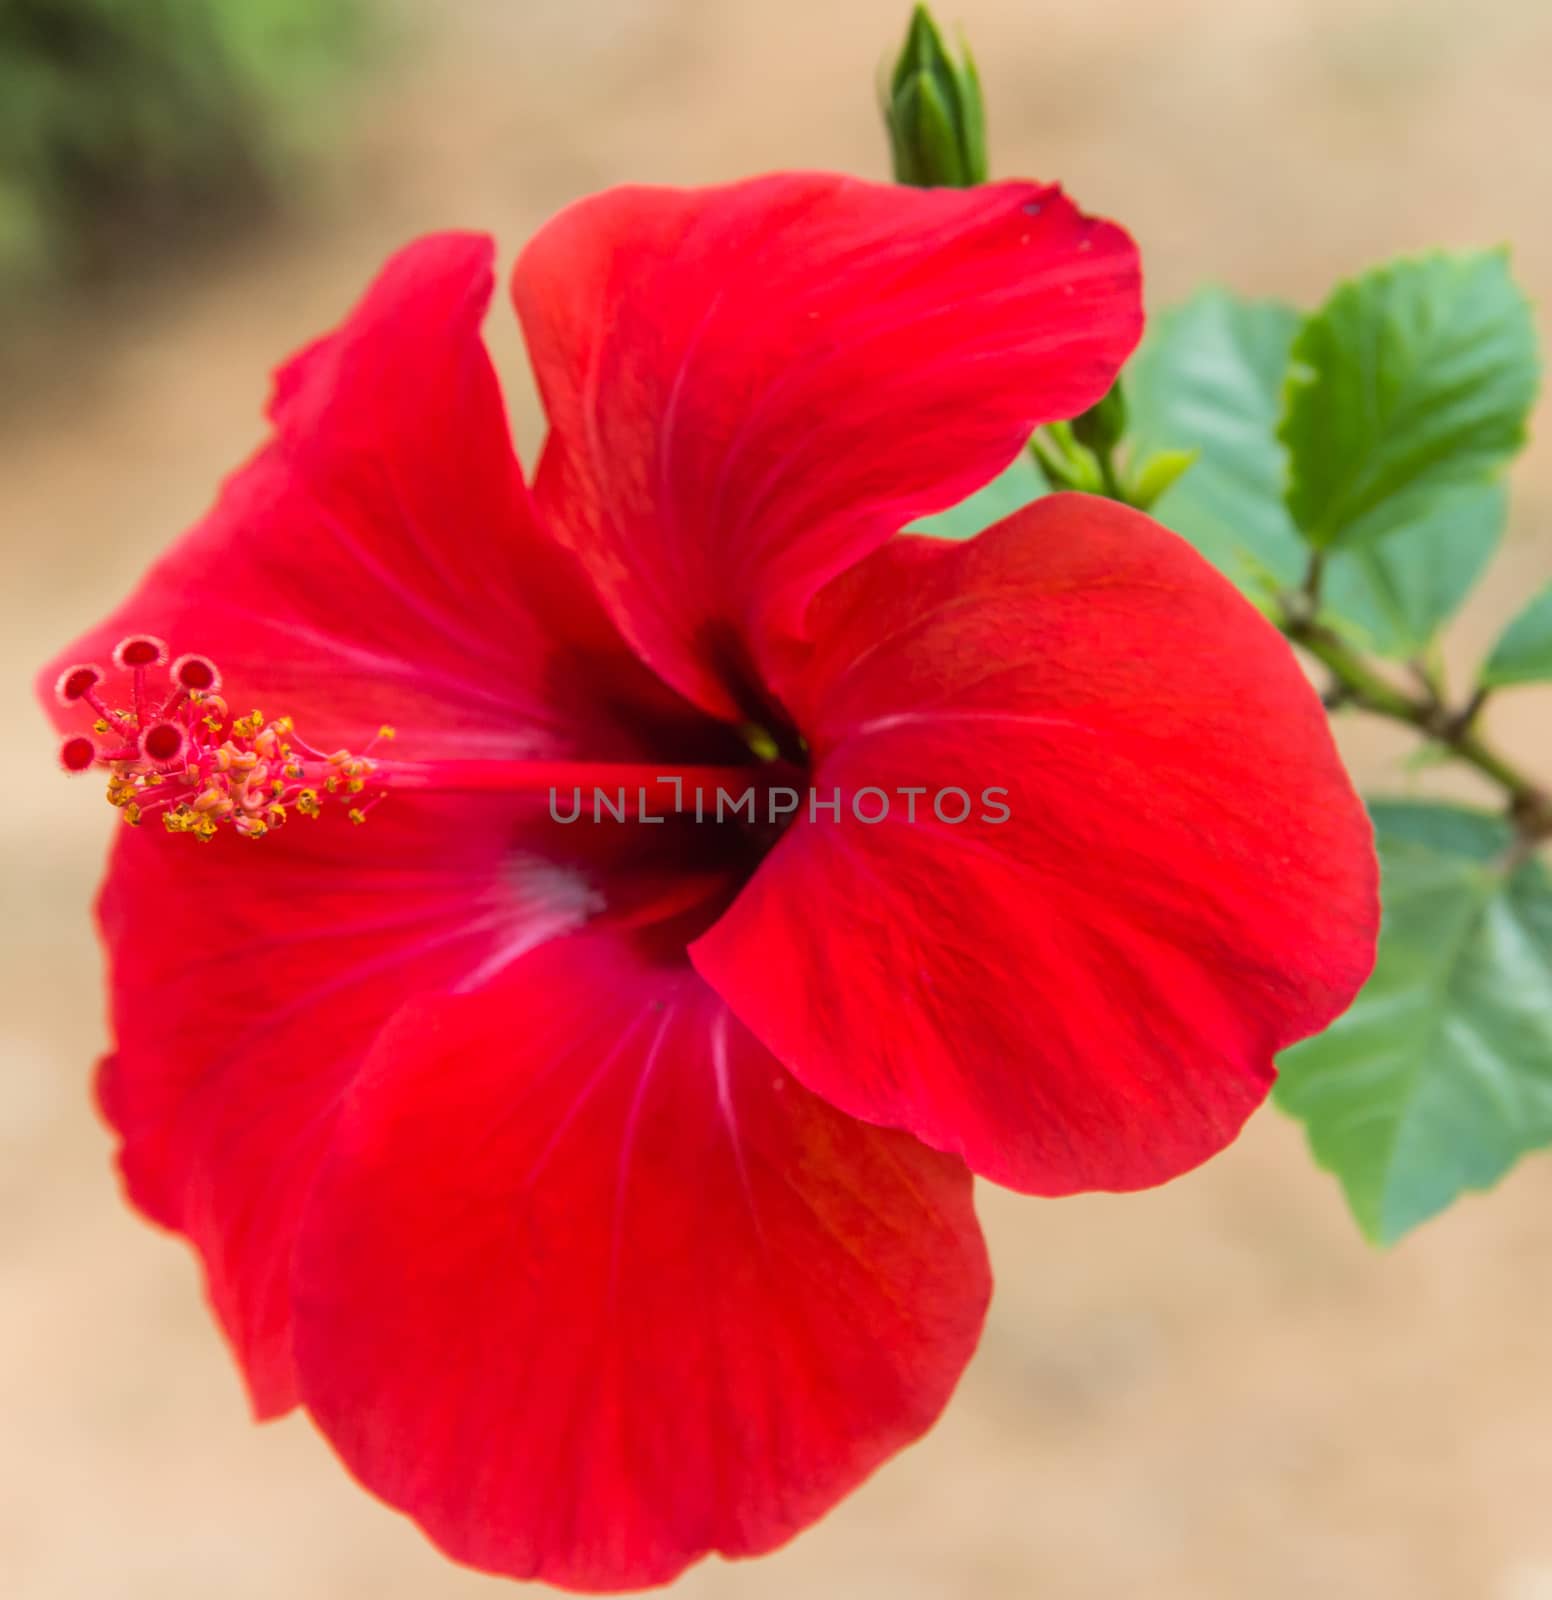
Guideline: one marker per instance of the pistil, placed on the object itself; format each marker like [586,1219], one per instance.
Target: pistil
[644,785]
[179,754]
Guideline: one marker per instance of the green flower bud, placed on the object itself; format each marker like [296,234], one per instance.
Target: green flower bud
[1066,463]
[1103,424]
[934,112]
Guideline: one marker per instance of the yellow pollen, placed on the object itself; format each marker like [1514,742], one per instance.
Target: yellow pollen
[181,819]
[241,773]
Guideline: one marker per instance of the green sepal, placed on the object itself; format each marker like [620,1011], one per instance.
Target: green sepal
[1157,475]
[926,144]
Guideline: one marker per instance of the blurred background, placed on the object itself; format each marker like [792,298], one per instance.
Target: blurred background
[1208,1393]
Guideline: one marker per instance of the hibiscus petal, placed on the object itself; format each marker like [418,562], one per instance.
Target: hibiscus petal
[377,559]
[751,387]
[1089,994]
[250,979]
[590,1287]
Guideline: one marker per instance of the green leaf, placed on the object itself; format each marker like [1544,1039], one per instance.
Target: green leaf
[1414,377]
[1390,595]
[1524,653]
[1209,378]
[1440,1076]
[1005,494]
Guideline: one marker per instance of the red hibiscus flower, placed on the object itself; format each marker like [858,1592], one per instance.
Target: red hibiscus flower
[604,1190]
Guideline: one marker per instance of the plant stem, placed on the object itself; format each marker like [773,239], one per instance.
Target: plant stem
[1355,682]
[1529,803]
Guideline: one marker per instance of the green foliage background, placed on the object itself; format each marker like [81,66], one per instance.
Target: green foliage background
[121,118]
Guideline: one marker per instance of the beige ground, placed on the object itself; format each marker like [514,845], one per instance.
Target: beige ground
[1207,1394]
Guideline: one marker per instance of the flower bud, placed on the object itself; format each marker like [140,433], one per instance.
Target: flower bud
[1066,463]
[934,111]
[1101,427]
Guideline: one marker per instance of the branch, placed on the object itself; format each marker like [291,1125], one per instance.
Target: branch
[1356,683]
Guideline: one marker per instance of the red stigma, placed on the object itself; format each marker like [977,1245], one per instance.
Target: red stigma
[139,650]
[77,753]
[162,743]
[197,674]
[75,682]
